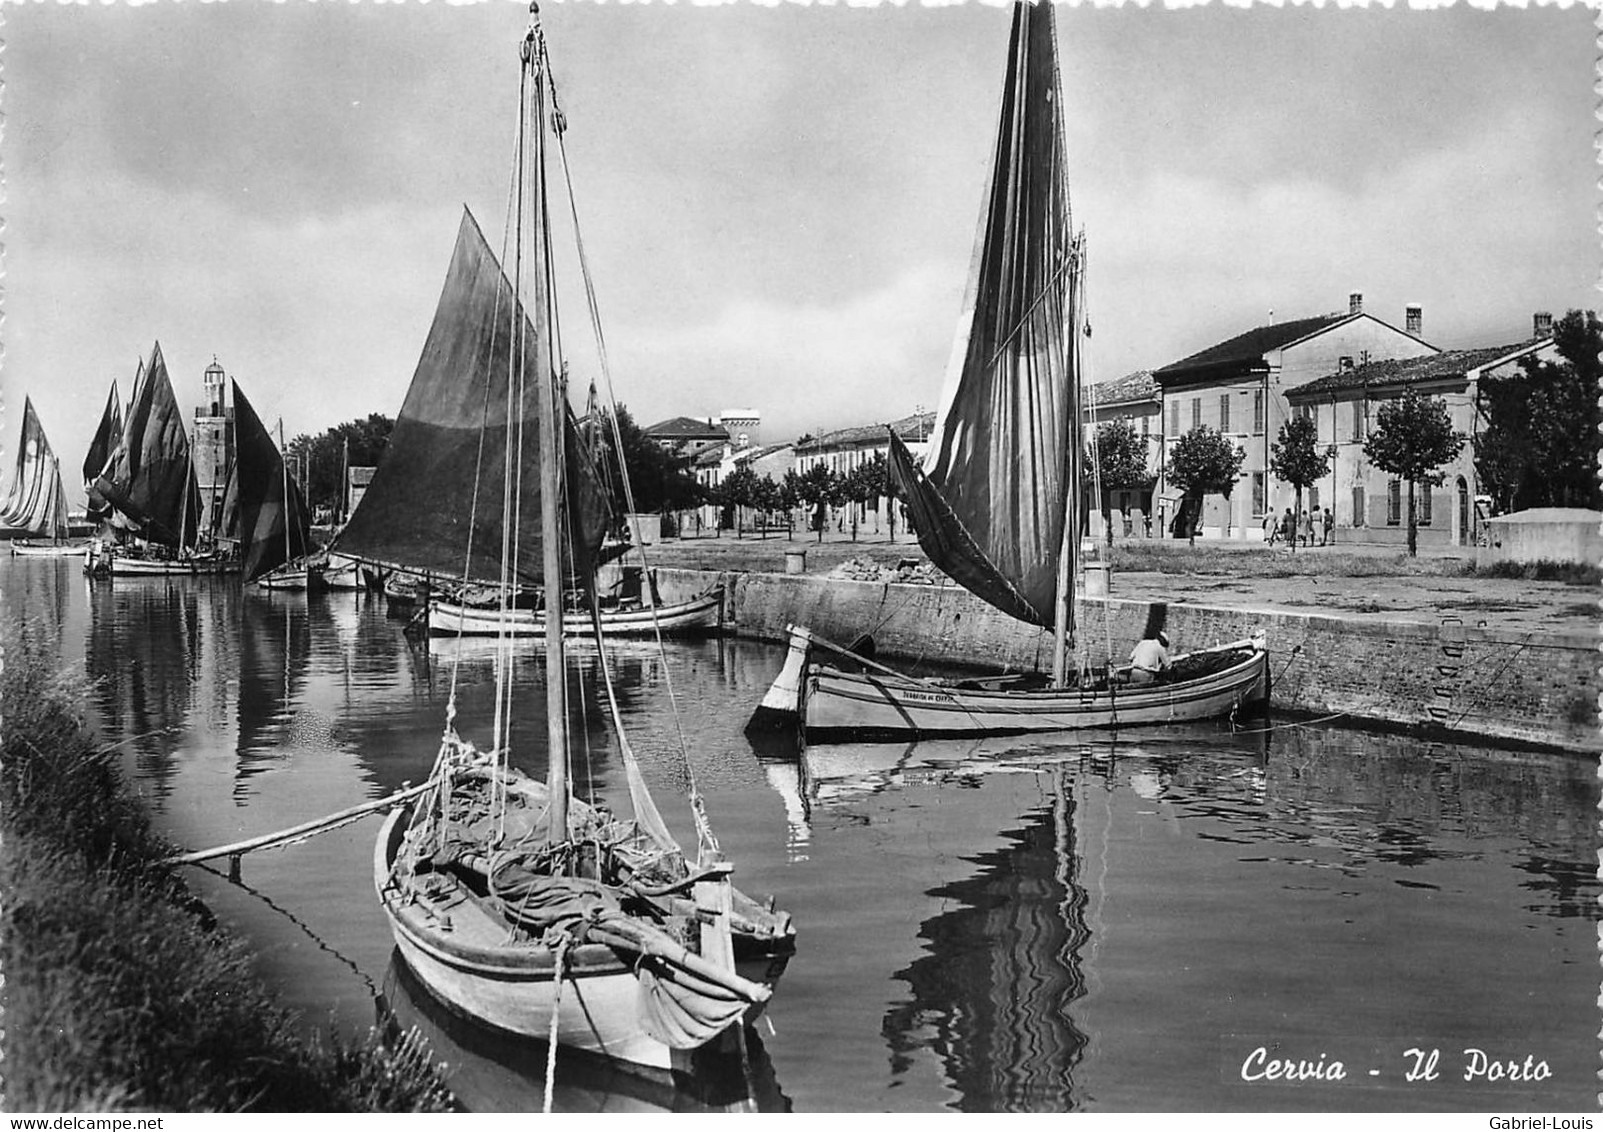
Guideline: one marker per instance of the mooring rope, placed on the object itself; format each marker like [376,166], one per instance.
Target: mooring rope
[556,1004]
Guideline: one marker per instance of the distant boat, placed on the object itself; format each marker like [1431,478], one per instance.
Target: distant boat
[36,506]
[148,482]
[632,616]
[274,527]
[996,502]
[105,440]
[517,904]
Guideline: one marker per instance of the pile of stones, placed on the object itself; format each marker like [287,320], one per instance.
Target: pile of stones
[911,571]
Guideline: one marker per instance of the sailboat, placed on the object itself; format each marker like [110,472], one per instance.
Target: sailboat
[997,499]
[106,437]
[516,903]
[36,505]
[274,529]
[149,482]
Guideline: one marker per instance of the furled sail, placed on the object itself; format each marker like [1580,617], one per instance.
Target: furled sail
[437,496]
[148,478]
[989,501]
[100,448]
[25,501]
[271,519]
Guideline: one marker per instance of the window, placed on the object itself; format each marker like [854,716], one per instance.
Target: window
[1422,506]
[1358,419]
[1196,412]
[1313,415]
[1313,497]
[1174,418]
[1358,505]
[1394,503]
[1257,412]
[1257,493]
[1146,426]
[1224,412]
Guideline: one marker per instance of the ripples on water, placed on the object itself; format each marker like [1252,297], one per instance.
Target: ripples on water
[1047,924]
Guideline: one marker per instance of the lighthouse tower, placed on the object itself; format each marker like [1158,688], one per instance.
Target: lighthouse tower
[213,446]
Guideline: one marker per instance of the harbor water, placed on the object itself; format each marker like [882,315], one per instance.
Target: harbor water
[1280,916]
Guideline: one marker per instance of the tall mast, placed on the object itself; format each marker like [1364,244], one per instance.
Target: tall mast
[549,432]
[282,463]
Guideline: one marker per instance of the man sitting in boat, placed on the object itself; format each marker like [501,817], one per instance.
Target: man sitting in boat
[1149,657]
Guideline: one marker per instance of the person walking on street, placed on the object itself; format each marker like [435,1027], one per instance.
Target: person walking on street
[1330,528]
[1307,529]
[1288,528]
[1271,528]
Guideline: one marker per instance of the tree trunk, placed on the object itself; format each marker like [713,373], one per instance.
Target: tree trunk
[1413,541]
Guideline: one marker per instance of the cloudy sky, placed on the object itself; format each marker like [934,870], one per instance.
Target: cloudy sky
[778,202]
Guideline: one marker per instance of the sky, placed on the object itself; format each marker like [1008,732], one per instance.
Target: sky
[778,202]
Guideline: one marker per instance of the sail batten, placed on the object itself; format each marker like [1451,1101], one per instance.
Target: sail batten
[990,499]
[435,502]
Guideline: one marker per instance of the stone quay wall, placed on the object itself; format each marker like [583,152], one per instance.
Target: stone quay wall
[1480,683]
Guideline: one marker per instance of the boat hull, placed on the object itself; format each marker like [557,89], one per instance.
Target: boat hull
[701,614]
[841,704]
[514,989]
[49,550]
[121,567]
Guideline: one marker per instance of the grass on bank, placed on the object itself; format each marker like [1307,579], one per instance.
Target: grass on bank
[120,992]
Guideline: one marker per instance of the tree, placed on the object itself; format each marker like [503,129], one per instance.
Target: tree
[1297,458]
[1202,462]
[1413,437]
[790,498]
[321,460]
[874,484]
[658,479]
[1119,464]
[1540,443]
[765,497]
[738,490]
[817,488]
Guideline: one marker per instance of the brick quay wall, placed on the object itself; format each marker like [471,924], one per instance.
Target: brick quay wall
[1482,683]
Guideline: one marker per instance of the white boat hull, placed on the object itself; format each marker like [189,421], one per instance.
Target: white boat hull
[513,988]
[49,550]
[699,614]
[834,702]
[151,567]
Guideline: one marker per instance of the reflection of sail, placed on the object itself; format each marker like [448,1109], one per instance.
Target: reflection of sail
[992,997]
[141,656]
[275,646]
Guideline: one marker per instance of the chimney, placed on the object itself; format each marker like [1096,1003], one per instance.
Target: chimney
[1414,320]
[1542,324]
[1355,303]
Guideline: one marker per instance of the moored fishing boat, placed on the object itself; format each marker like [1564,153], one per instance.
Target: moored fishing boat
[517,904]
[700,614]
[36,506]
[274,526]
[997,499]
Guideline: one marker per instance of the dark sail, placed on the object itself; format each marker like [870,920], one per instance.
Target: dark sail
[100,448]
[441,481]
[268,509]
[23,508]
[148,478]
[990,499]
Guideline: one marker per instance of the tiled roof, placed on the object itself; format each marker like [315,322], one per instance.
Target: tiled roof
[685,426]
[767,450]
[1405,371]
[914,428]
[1249,348]
[1137,386]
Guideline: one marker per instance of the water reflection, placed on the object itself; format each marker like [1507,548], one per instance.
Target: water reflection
[494,1072]
[1095,922]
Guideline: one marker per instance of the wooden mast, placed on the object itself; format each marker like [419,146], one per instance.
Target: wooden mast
[549,433]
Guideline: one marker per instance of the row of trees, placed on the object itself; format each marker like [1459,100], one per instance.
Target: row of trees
[816,489]
[1412,438]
